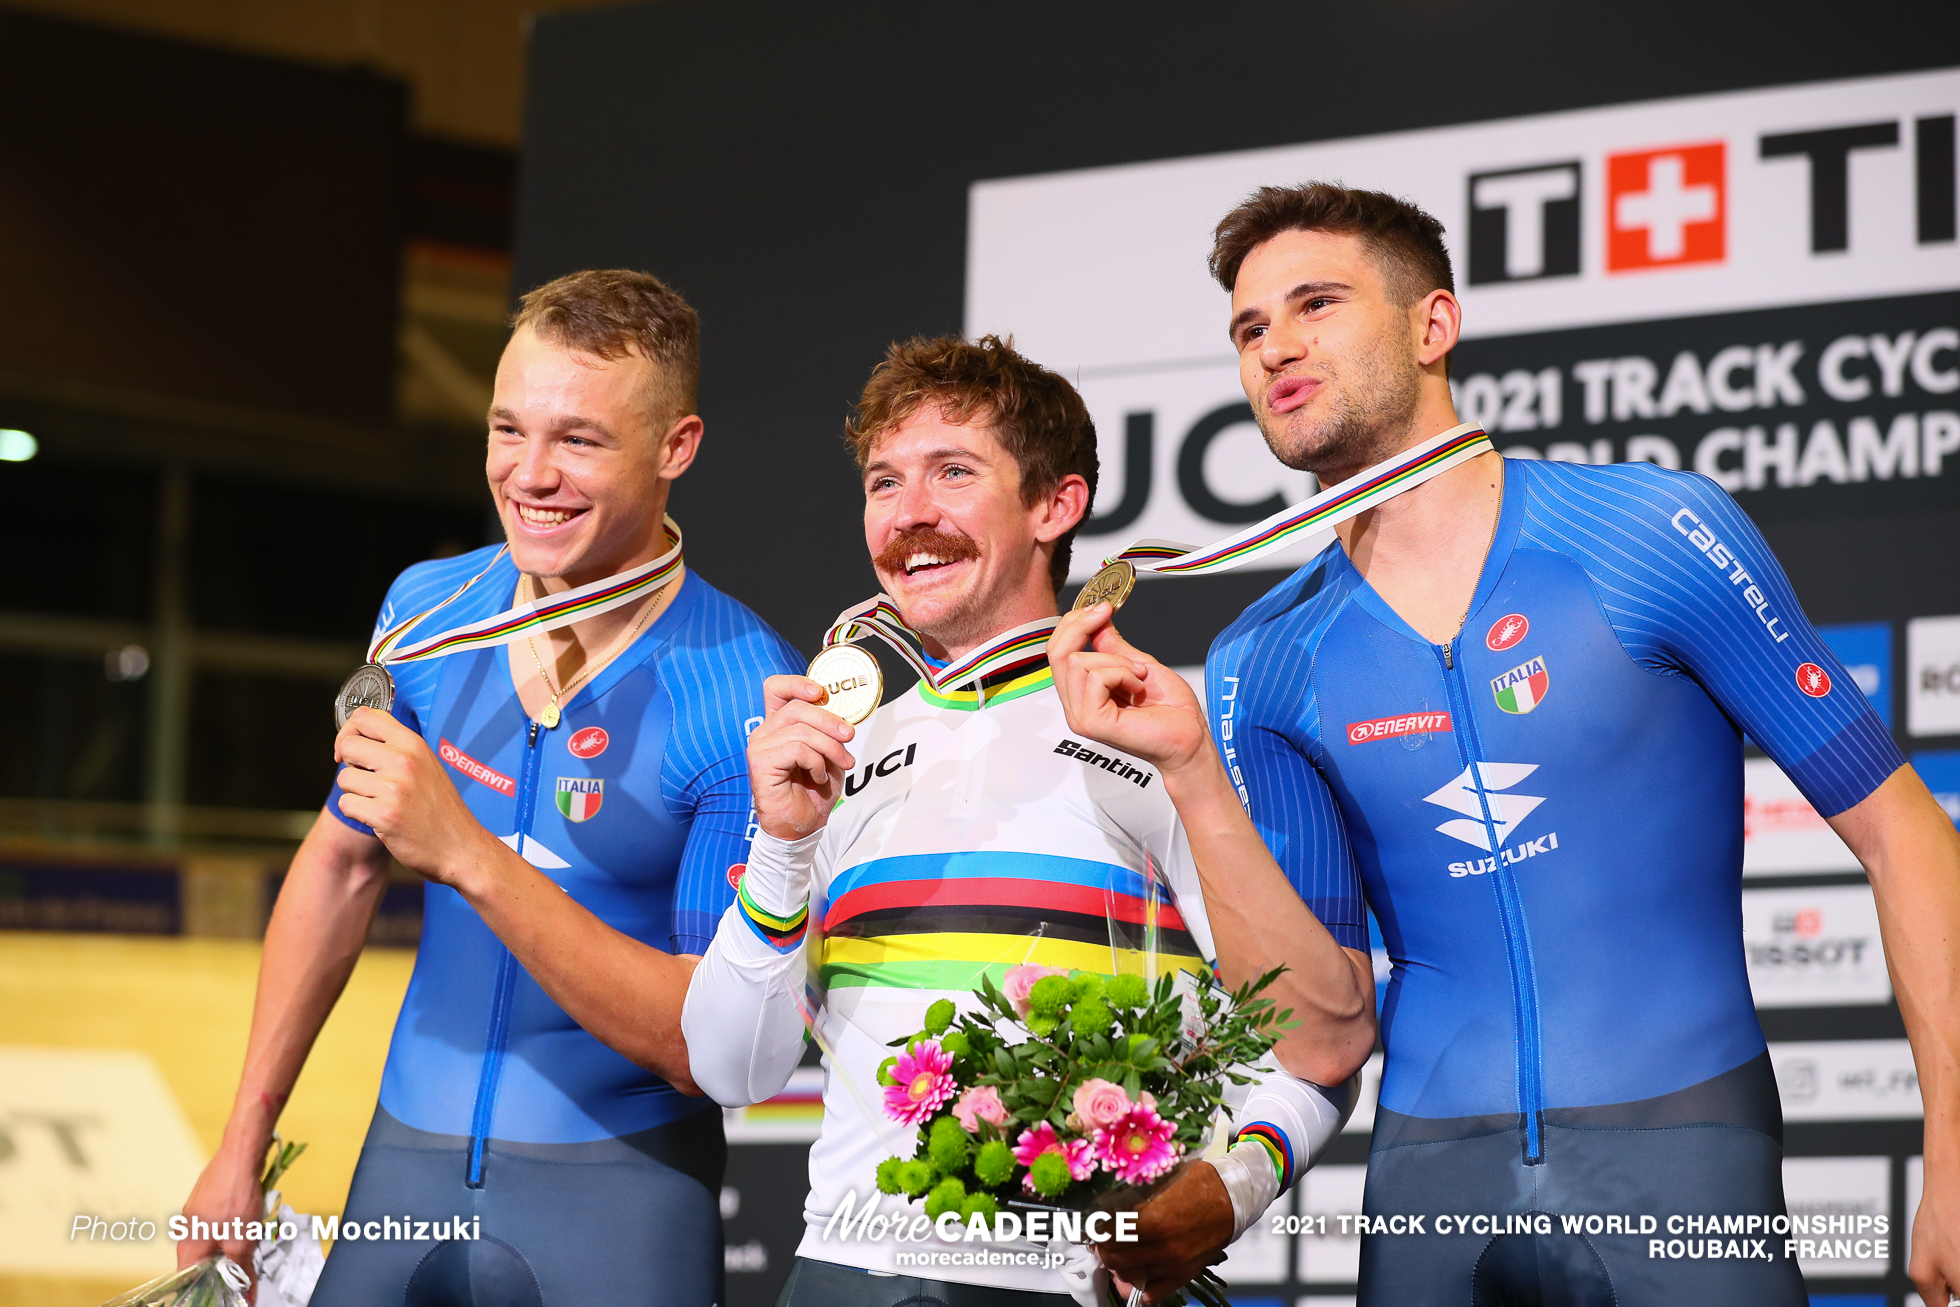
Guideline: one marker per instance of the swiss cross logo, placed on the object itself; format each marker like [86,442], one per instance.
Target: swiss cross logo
[1666,207]
[1813,680]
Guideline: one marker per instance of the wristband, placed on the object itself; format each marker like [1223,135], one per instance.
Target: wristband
[774,892]
[1250,1180]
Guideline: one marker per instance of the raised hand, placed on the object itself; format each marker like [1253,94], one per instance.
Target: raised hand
[394,784]
[797,758]
[1115,694]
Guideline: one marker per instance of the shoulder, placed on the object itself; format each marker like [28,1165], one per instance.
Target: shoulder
[713,627]
[1625,493]
[1294,612]
[425,584]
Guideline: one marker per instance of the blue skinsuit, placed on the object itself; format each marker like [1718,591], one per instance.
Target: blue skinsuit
[594,1179]
[1547,817]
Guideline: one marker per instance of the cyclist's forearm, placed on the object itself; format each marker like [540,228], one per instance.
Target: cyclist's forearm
[312,942]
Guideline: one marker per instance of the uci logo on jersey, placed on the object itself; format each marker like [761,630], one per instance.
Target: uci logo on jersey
[885,766]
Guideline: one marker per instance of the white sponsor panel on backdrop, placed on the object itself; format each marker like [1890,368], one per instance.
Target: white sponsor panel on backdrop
[1933,676]
[1814,947]
[1781,833]
[93,1134]
[1328,1193]
[1631,213]
[1847,1080]
[1854,1187]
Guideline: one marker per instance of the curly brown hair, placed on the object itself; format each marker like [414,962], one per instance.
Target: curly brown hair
[1036,415]
[614,312]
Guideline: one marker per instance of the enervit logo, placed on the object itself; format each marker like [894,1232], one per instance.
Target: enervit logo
[1470,794]
[588,743]
[1666,207]
[1388,728]
[475,770]
[1507,631]
[1813,680]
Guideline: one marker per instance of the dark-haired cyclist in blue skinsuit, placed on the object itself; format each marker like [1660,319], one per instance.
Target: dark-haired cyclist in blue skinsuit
[579,800]
[1510,703]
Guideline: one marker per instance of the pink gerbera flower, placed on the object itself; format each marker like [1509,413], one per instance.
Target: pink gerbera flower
[1138,1147]
[922,1082]
[1078,1153]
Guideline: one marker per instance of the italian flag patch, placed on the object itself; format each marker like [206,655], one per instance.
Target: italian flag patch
[579,797]
[1522,688]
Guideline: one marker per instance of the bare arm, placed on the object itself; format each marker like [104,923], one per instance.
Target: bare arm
[1118,696]
[1912,854]
[311,945]
[626,994]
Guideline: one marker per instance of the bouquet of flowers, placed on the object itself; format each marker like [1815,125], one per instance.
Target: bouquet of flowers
[287,1268]
[1069,1089]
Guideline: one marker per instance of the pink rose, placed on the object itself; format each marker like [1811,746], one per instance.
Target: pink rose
[1020,979]
[980,1103]
[1100,1103]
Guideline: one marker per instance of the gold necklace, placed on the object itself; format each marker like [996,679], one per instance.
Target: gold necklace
[549,717]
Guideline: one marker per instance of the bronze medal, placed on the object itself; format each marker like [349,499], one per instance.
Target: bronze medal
[851,681]
[369,687]
[1112,585]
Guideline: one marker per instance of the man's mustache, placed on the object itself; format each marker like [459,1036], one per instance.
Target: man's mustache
[949,548]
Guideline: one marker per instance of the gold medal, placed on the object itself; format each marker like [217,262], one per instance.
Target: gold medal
[1112,585]
[548,718]
[851,680]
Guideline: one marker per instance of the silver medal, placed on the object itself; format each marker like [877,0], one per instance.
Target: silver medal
[369,687]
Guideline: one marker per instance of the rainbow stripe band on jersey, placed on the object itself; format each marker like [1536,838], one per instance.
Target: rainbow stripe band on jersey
[1329,508]
[942,920]
[1010,651]
[537,616]
[1273,1140]
[778,932]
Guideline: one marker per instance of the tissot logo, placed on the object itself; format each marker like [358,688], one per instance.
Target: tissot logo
[1524,223]
[1666,207]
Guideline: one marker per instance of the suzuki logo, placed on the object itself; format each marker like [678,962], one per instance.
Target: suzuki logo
[1471,795]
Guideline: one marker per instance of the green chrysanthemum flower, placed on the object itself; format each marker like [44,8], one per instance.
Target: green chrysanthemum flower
[885,1071]
[888,1176]
[914,1178]
[995,1163]
[954,1043]
[939,1016]
[1050,1172]
[983,1204]
[1086,984]
[948,1146]
[1043,1026]
[1127,992]
[946,1196]
[1050,995]
[1091,1016]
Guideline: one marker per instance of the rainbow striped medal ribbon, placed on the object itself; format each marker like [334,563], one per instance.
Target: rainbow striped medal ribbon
[850,675]
[372,687]
[1289,526]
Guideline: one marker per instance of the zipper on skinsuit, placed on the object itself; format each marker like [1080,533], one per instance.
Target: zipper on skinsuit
[1510,906]
[498,1035]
